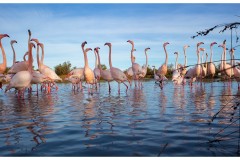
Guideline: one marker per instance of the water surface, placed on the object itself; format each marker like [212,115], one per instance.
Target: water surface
[148,122]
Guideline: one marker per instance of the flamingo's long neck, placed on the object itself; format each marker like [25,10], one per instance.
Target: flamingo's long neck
[85,59]
[24,57]
[99,62]
[185,57]
[42,58]
[132,54]
[38,60]
[30,59]
[202,59]
[198,56]
[110,56]
[211,54]
[176,61]
[166,60]
[40,63]
[221,66]
[146,58]
[154,70]
[4,55]
[206,61]
[96,60]
[224,56]
[14,54]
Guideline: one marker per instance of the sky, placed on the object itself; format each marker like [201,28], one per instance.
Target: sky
[63,27]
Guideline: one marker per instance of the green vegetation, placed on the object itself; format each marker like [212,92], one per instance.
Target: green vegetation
[63,69]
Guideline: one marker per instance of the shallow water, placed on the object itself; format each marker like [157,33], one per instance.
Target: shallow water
[148,122]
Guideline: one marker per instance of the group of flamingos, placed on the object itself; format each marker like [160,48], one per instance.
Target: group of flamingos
[21,74]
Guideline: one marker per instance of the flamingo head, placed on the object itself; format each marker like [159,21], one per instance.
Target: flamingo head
[131,42]
[176,53]
[4,35]
[200,43]
[186,46]
[221,45]
[134,49]
[88,49]
[96,49]
[213,43]
[35,40]
[108,44]
[40,44]
[146,49]
[166,43]
[153,66]
[83,44]
[32,45]
[29,32]
[13,41]
[202,49]
[224,42]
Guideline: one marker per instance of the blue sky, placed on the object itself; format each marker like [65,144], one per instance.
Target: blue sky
[63,27]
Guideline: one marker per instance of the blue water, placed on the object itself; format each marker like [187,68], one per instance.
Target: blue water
[148,122]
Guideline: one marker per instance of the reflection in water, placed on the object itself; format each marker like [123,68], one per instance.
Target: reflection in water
[103,124]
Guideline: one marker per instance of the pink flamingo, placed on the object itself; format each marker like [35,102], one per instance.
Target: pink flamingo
[184,70]
[136,68]
[96,70]
[211,69]
[162,70]
[236,70]
[75,80]
[3,65]
[144,67]
[195,72]
[88,73]
[105,74]
[116,73]
[21,80]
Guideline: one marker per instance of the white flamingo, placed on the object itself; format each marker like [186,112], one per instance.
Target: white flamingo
[144,67]
[96,70]
[236,70]
[116,73]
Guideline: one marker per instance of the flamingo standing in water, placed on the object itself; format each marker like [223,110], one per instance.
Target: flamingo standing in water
[144,67]
[136,68]
[227,68]
[21,80]
[195,72]
[45,70]
[203,68]
[184,69]
[79,71]
[96,70]
[176,77]
[129,71]
[88,73]
[116,73]
[236,70]
[158,79]
[105,74]
[3,65]
[211,69]
[162,70]
[75,80]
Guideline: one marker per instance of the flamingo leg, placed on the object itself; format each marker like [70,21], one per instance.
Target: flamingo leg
[126,86]
[109,87]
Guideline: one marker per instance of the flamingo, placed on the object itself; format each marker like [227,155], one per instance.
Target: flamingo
[78,71]
[158,79]
[129,71]
[45,70]
[227,68]
[88,73]
[203,69]
[116,73]
[184,70]
[105,74]
[162,71]
[21,80]
[75,80]
[195,71]
[96,70]
[176,74]
[136,68]
[144,67]
[211,69]
[236,70]
[3,65]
